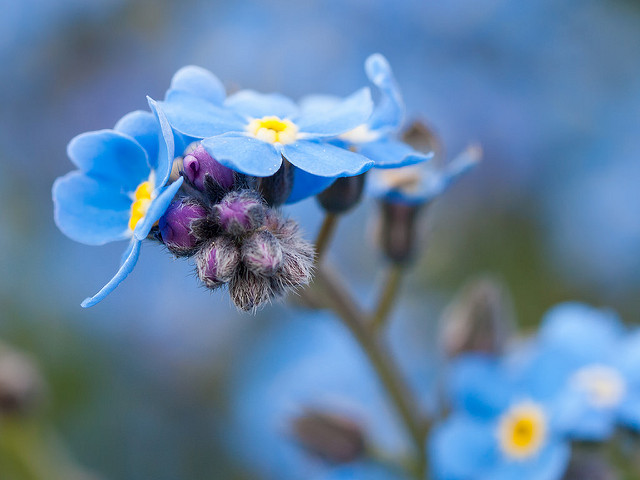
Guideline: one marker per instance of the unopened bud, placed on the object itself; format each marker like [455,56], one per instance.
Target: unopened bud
[332,437]
[423,138]
[343,194]
[276,188]
[217,262]
[250,291]
[21,384]
[262,254]
[176,226]
[299,255]
[478,320]
[198,164]
[240,212]
[398,230]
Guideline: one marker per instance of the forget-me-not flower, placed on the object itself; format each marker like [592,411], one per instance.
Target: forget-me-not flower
[422,183]
[373,138]
[120,188]
[251,132]
[500,428]
[587,358]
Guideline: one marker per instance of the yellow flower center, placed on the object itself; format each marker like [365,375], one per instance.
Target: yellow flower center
[522,430]
[603,385]
[272,129]
[141,201]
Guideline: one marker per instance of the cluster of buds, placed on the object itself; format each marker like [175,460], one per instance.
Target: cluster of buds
[223,221]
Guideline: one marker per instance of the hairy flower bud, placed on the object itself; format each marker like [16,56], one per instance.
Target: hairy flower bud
[217,262]
[198,164]
[240,212]
[398,230]
[250,291]
[478,320]
[332,437]
[262,254]
[176,226]
[343,194]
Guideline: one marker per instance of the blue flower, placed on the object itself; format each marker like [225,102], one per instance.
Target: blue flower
[500,429]
[362,470]
[587,359]
[118,191]
[420,184]
[374,138]
[251,132]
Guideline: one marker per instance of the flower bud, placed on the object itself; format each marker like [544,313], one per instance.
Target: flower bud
[217,262]
[240,212]
[276,188]
[343,194]
[176,226]
[262,254]
[478,320]
[398,230]
[250,291]
[21,384]
[199,164]
[332,437]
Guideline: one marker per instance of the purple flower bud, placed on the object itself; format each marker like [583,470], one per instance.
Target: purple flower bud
[199,163]
[217,262]
[176,226]
[240,212]
[262,254]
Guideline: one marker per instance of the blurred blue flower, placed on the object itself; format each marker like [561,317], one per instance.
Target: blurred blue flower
[251,132]
[310,363]
[420,184]
[373,139]
[586,358]
[499,429]
[119,190]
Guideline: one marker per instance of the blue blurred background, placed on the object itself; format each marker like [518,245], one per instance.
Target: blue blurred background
[143,385]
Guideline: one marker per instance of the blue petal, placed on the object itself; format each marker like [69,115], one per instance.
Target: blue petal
[627,357]
[350,113]
[629,411]
[389,112]
[257,105]
[580,332]
[318,104]
[244,154]
[121,274]
[574,415]
[196,117]
[389,153]
[462,448]
[89,211]
[549,464]
[166,151]
[157,208]
[306,185]
[110,156]
[200,82]
[480,385]
[325,160]
[143,128]
[362,470]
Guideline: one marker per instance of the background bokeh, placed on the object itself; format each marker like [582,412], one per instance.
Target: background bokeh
[140,385]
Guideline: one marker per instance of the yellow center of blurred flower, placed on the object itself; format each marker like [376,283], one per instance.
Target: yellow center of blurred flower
[141,201]
[603,385]
[522,430]
[272,129]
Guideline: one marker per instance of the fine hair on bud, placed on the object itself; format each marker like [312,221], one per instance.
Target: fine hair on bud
[217,262]
[262,253]
[249,291]
[240,212]
[298,255]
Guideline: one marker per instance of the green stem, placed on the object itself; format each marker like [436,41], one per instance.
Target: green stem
[387,297]
[325,234]
[337,298]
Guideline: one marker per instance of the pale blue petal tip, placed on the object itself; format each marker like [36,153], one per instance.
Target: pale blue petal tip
[122,273]
[200,82]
